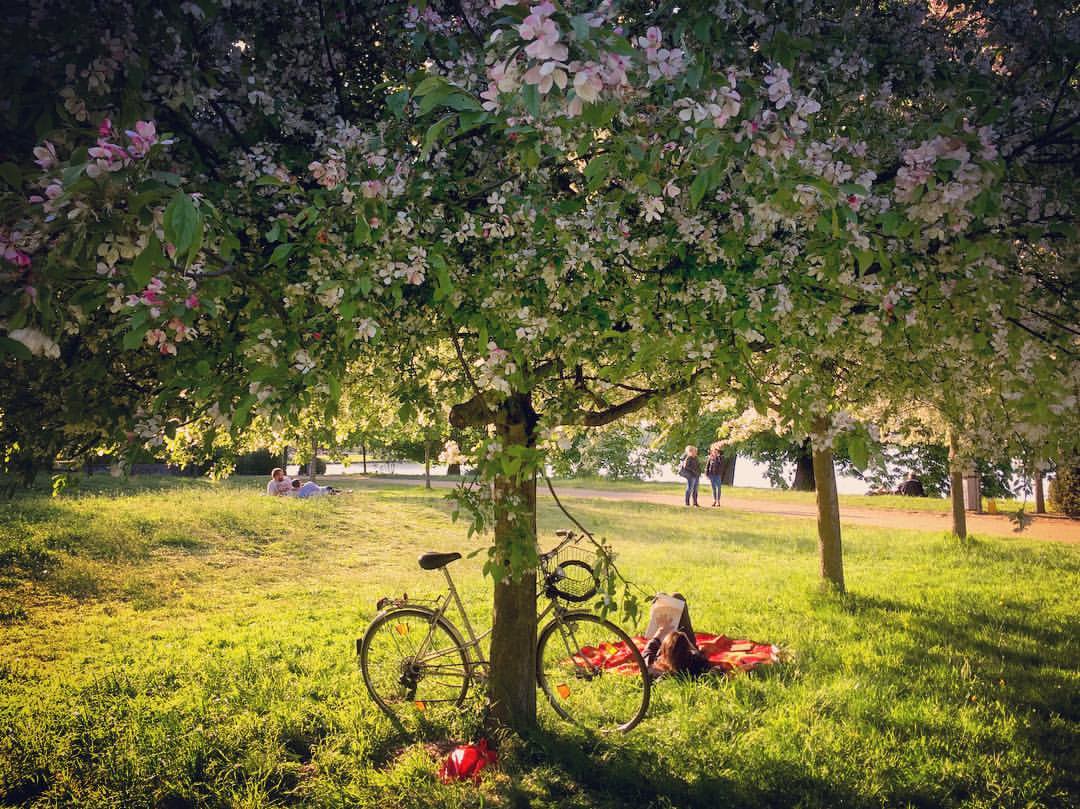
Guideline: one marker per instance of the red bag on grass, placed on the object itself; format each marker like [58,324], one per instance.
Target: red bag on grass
[466,761]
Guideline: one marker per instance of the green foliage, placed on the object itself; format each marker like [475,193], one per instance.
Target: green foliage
[1063,494]
[304,460]
[259,462]
[223,674]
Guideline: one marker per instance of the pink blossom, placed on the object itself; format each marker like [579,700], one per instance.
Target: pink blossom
[547,74]
[372,188]
[105,128]
[192,301]
[46,155]
[142,138]
[588,82]
[544,34]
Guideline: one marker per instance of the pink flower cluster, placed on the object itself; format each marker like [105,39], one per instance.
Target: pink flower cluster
[662,62]
[10,251]
[107,156]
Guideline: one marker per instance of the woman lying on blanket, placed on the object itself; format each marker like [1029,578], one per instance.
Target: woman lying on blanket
[671,647]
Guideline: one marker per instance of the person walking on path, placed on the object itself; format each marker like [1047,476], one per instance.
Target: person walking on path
[690,468]
[714,470]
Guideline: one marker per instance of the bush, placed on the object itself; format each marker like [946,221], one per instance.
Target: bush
[1064,491]
[259,462]
[320,466]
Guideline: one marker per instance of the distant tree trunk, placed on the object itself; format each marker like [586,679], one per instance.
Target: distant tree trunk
[512,683]
[727,470]
[1040,502]
[363,456]
[956,489]
[804,469]
[285,458]
[427,464]
[828,506]
[453,469]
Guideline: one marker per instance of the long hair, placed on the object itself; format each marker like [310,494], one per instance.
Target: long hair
[676,653]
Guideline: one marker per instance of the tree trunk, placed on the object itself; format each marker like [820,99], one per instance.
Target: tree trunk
[956,489]
[1040,502]
[427,464]
[804,469]
[453,469]
[828,507]
[727,471]
[512,687]
[363,456]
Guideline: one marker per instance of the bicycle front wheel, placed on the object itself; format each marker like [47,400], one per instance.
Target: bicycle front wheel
[414,662]
[592,673]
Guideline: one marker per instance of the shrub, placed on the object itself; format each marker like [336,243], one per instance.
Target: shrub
[320,466]
[1064,492]
[259,462]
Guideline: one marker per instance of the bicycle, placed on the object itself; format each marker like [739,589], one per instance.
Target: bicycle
[414,660]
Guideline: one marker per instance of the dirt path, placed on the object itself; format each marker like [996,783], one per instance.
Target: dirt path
[1046,527]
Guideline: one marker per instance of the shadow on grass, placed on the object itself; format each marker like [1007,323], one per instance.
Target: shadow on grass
[561,768]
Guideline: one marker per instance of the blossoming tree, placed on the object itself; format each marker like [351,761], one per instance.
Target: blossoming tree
[556,213]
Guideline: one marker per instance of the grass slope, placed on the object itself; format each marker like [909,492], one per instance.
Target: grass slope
[180,643]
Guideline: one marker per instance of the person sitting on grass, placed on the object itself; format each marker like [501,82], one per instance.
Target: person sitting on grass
[279,485]
[912,487]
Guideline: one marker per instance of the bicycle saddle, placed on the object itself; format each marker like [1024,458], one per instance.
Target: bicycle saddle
[432,561]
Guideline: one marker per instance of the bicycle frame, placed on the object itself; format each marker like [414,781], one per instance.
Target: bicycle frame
[472,643]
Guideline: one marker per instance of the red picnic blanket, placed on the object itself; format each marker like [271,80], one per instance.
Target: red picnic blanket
[727,653]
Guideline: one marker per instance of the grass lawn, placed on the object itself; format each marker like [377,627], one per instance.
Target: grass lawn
[182,643]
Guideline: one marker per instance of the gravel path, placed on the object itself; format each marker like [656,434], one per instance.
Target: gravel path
[1047,527]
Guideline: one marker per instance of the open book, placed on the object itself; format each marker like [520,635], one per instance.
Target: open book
[664,616]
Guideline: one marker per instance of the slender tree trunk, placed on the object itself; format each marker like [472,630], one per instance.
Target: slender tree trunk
[828,506]
[956,489]
[363,456]
[727,475]
[513,638]
[427,464]
[453,469]
[1040,502]
[804,469]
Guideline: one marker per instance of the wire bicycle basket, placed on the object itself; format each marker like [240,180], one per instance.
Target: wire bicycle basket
[569,569]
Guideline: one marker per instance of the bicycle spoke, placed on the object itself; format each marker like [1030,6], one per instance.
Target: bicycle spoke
[410,662]
[580,690]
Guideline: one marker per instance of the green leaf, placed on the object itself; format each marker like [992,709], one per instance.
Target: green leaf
[865,259]
[531,96]
[183,223]
[596,172]
[860,453]
[433,133]
[240,417]
[397,101]
[281,252]
[134,338]
[142,268]
[429,84]
[580,26]
[268,179]
[71,175]
[362,232]
[698,187]
[15,348]
[11,175]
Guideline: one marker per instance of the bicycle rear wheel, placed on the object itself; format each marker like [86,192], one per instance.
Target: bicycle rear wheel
[570,670]
[414,663]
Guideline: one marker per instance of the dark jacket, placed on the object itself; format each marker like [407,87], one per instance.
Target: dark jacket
[714,466]
[692,466]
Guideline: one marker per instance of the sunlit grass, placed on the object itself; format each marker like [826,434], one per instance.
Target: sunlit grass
[192,644]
